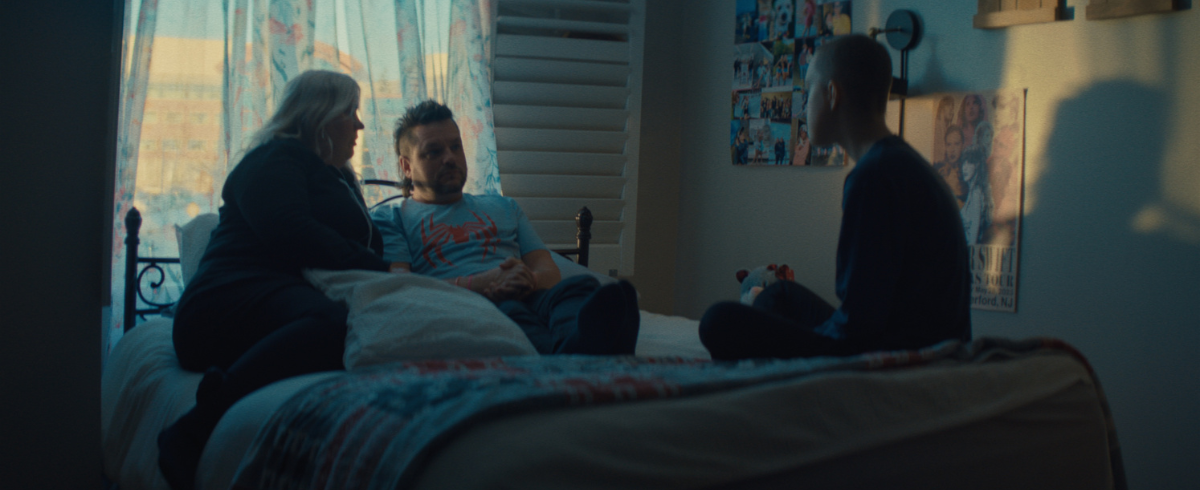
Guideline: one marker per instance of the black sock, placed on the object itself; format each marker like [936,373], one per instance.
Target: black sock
[627,334]
[603,311]
[608,321]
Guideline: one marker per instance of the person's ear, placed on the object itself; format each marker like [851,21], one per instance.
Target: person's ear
[833,93]
[405,166]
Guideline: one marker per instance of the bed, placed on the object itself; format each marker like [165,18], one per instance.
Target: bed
[993,413]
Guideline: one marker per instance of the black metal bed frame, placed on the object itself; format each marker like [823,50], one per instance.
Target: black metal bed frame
[134,274]
[137,268]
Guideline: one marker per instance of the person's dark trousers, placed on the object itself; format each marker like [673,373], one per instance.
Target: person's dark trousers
[578,316]
[293,331]
[779,325]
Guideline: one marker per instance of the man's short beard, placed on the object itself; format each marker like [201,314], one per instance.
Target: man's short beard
[438,188]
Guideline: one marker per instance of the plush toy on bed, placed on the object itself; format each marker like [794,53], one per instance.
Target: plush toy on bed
[754,281]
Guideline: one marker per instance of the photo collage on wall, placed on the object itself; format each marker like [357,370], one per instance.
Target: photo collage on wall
[978,147]
[773,42]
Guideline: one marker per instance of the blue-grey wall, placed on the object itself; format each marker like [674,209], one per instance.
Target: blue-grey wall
[1110,247]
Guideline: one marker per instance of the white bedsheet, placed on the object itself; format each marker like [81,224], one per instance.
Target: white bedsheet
[142,391]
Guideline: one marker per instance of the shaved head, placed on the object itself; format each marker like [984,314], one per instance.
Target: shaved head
[860,66]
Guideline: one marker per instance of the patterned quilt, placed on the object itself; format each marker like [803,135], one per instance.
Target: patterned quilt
[373,429]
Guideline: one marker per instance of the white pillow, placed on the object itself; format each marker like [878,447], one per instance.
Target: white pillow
[193,240]
[405,316]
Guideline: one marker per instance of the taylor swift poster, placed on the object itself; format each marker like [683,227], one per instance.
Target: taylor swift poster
[978,147]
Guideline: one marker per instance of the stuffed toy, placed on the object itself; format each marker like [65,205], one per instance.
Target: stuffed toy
[754,281]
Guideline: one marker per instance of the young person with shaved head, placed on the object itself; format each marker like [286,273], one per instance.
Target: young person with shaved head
[902,268]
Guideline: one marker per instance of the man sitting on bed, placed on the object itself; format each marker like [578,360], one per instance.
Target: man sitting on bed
[902,270]
[486,244]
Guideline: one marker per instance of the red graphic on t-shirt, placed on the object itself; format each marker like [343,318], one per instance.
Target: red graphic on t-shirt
[437,234]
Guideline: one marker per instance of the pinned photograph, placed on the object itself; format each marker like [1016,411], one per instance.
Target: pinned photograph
[774,41]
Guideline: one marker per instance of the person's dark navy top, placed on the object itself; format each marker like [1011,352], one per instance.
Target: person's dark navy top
[902,265]
[286,210]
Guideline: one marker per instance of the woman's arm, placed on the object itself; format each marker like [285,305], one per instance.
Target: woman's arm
[275,198]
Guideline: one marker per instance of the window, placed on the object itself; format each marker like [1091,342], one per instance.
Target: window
[179,57]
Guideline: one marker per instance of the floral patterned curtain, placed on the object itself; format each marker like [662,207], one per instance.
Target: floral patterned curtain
[201,77]
[140,23]
[469,94]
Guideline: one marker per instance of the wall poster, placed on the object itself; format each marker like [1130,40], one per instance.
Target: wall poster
[773,41]
[978,147]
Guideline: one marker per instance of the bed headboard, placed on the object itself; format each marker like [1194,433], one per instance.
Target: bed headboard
[136,270]
[150,269]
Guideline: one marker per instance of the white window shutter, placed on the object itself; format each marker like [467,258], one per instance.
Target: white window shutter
[567,104]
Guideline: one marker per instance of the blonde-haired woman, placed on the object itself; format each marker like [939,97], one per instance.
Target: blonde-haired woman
[248,318]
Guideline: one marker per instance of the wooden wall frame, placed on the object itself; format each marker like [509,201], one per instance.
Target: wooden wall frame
[994,14]
[1113,9]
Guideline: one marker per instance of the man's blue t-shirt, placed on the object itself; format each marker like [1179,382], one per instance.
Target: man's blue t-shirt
[470,236]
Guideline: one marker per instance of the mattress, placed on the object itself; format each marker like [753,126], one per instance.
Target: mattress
[1033,421]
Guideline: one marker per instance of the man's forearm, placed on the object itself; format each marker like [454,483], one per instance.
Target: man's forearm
[546,279]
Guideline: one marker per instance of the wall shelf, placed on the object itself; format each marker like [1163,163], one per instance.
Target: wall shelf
[995,14]
[1114,9]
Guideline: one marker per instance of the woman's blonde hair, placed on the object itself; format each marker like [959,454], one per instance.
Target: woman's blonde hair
[309,102]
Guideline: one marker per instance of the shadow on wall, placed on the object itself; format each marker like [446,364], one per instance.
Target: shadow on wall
[1126,298]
